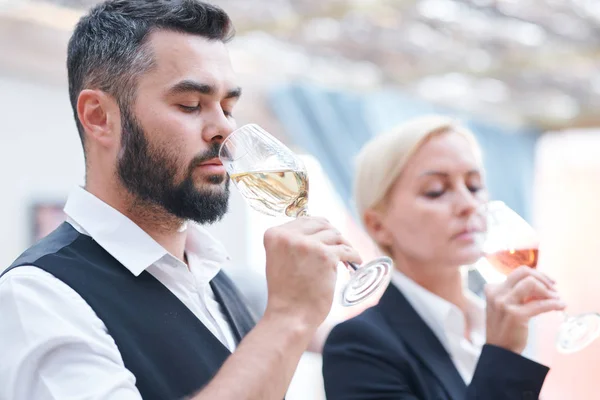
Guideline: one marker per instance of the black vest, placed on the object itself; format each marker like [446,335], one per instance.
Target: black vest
[170,352]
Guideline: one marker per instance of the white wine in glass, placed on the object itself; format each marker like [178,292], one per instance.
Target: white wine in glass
[511,242]
[273,180]
[277,192]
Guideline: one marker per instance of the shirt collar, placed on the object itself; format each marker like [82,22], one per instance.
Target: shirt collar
[206,255]
[476,314]
[130,244]
[439,314]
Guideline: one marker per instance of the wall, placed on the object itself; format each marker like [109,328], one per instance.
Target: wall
[40,156]
[567,216]
[41,160]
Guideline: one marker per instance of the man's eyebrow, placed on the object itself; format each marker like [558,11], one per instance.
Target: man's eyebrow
[187,86]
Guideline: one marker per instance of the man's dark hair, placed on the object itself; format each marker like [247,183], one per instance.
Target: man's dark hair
[108,49]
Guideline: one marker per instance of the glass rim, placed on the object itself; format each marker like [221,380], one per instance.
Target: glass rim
[234,133]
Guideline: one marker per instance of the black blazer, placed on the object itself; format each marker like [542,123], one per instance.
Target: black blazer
[389,352]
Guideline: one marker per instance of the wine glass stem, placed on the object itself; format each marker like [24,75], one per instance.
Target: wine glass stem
[350,265]
[303,213]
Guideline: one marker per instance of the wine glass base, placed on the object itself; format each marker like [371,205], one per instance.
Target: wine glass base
[578,332]
[366,280]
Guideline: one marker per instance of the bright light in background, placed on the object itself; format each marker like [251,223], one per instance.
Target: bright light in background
[6,5]
[595,84]
[491,90]
[567,217]
[41,12]
[442,10]
[478,60]
[590,7]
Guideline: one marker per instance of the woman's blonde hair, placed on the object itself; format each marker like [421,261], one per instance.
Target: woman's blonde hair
[382,160]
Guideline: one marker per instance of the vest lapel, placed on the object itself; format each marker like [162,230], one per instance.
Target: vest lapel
[238,315]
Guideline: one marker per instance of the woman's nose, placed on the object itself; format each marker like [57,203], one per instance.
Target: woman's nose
[467,202]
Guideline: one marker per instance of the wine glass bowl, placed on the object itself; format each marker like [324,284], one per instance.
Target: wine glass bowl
[510,242]
[268,174]
[274,181]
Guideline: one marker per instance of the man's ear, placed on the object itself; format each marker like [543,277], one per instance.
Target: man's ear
[100,117]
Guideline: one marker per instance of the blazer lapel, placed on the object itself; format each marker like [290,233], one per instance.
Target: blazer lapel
[421,341]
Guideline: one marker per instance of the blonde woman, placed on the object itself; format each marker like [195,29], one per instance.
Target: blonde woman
[417,190]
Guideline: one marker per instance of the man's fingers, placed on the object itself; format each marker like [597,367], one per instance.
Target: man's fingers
[310,225]
[331,237]
[347,253]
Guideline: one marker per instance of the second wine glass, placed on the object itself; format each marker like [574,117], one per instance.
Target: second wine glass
[511,242]
[274,181]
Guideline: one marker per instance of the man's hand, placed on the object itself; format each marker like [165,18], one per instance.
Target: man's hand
[302,259]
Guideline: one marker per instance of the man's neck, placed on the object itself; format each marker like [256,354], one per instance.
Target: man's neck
[164,228]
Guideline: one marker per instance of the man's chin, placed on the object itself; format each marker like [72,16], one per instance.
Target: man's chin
[207,211]
[213,189]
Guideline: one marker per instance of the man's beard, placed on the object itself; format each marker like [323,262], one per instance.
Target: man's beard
[150,173]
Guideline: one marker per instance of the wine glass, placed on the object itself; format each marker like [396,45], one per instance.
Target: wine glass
[511,242]
[274,182]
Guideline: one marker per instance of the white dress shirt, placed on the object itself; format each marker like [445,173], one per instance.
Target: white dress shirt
[447,322]
[52,344]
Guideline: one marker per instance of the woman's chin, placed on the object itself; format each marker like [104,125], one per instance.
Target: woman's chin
[468,256]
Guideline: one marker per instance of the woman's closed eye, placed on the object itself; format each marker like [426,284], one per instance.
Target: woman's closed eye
[434,194]
[435,190]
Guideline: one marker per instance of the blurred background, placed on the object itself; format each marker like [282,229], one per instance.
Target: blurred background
[324,76]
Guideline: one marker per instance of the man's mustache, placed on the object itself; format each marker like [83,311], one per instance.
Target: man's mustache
[211,153]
